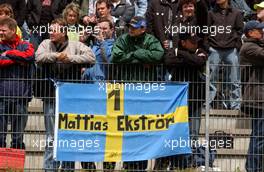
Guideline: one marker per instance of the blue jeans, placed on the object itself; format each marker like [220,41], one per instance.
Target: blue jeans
[50,165]
[255,157]
[232,76]
[242,5]
[16,111]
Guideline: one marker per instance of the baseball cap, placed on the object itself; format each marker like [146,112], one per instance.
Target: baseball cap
[191,36]
[260,5]
[138,22]
[253,24]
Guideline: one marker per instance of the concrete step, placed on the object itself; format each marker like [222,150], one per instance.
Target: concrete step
[34,161]
[224,113]
[231,152]
[234,132]
[222,123]
[230,164]
[239,144]
[35,123]
[35,105]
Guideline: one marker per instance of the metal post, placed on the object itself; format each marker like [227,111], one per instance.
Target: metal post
[207,111]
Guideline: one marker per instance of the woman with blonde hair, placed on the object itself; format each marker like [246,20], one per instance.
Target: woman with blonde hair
[71,15]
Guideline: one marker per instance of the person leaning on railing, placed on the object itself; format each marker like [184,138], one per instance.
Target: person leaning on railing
[186,63]
[16,62]
[134,48]
[60,54]
[102,49]
[252,53]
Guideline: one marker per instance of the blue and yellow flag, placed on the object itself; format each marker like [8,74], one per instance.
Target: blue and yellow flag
[120,122]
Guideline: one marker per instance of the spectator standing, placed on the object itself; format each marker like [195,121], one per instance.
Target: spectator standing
[16,61]
[164,15]
[103,10]
[252,2]
[136,47]
[252,53]
[39,15]
[71,15]
[102,50]
[87,6]
[7,11]
[63,54]
[19,8]
[224,46]
[161,14]
[260,11]
[185,64]
[99,72]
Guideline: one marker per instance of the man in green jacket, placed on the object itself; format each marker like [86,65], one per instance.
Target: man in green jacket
[137,46]
[136,51]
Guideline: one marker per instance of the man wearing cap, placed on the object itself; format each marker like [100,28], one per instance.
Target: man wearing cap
[187,60]
[252,53]
[188,52]
[137,46]
[260,11]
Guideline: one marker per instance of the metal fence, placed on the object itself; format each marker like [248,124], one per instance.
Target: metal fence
[27,104]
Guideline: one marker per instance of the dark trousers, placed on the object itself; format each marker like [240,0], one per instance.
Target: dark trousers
[16,112]
[255,157]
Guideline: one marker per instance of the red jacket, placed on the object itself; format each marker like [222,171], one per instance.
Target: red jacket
[16,62]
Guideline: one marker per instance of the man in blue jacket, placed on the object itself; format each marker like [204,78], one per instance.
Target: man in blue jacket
[15,87]
[102,50]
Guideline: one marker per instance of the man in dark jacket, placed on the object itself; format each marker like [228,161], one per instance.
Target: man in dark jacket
[19,8]
[16,60]
[185,64]
[224,45]
[161,15]
[252,53]
[39,14]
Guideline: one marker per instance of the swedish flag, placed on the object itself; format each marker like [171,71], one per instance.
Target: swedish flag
[121,122]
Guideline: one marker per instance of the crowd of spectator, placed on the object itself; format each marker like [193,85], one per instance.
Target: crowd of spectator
[183,33]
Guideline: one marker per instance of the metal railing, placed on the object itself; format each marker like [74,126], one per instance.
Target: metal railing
[27,113]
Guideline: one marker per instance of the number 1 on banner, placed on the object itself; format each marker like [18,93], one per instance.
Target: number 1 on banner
[114,138]
[116,94]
